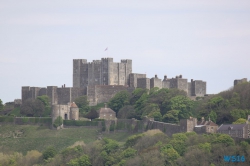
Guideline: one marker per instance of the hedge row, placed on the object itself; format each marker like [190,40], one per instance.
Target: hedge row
[80,123]
[6,119]
[27,120]
[98,120]
[34,120]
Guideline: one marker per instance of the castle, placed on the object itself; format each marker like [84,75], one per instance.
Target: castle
[101,79]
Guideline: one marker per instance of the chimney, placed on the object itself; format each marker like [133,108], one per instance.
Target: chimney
[156,76]
[105,105]
[180,76]
[64,85]
[165,77]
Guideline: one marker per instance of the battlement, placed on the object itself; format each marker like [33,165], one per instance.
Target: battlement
[96,61]
[80,60]
[126,60]
[107,59]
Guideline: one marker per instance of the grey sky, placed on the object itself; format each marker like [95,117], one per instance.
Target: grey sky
[203,40]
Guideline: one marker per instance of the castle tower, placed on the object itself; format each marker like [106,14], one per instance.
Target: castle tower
[74,111]
[80,73]
[101,72]
[198,88]
[155,82]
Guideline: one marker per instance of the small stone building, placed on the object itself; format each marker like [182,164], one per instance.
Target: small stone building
[235,130]
[106,113]
[206,126]
[67,112]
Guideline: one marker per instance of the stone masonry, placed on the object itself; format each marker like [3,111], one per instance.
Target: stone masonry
[101,79]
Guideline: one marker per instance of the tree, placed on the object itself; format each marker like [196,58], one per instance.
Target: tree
[46,102]
[26,108]
[136,94]
[156,115]
[148,108]
[1,105]
[82,103]
[81,161]
[140,104]
[44,99]
[92,114]
[58,122]
[213,116]
[126,112]
[171,116]
[240,121]
[183,104]
[239,113]
[50,152]
[170,153]
[38,108]
[225,139]
[32,108]
[119,100]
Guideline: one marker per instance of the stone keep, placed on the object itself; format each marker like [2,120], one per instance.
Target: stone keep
[101,72]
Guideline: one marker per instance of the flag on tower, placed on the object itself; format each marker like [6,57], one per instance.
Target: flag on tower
[106,49]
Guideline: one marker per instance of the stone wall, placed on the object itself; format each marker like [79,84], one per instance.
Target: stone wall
[52,93]
[166,82]
[133,78]
[155,82]
[189,89]
[240,81]
[166,128]
[133,125]
[64,95]
[101,72]
[103,93]
[198,88]
[182,84]
[60,110]
[187,125]
[25,93]
[143,83]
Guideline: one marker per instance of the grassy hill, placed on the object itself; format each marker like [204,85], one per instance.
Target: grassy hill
[23,138]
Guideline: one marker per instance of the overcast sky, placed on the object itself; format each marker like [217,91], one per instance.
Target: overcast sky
[202,40]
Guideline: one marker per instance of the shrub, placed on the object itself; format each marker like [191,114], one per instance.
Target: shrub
[50,152]
[58,122]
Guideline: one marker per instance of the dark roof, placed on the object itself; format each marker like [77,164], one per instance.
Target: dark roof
[207,123]
[105,110]
[73,105]
[232,127]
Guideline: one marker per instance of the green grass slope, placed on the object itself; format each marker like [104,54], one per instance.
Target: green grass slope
[23,138]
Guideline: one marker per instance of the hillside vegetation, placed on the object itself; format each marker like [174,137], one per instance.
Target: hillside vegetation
[171,105]
[149,148]
[227,106]
[23,138]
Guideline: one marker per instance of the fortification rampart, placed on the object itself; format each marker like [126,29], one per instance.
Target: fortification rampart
[103,93]
[240,81]
[101,79]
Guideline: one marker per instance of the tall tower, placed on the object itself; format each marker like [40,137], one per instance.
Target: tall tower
[80,73]
[101,72]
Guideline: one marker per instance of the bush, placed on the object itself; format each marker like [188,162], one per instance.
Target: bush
[58,122]
[6,119]
[25,120]
[50,152]
[80,123]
